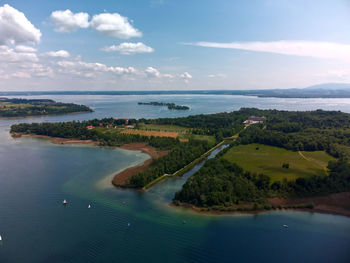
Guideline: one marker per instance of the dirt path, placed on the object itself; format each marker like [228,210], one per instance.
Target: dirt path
[314,161]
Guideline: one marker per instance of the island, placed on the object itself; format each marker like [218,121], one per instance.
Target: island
[19,107]
[171,106]
[273,159]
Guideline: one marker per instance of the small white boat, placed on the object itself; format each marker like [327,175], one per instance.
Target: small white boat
[0,238]
[64,202]
[89,206]
[285,226]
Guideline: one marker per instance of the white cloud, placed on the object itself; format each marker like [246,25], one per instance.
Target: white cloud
[186,76]
[22,75]
[10,55]
[66,21]
[114,25]
[15,28]
[152,72]
[91,69]
[129,48]
[58,53]
[220,75]
[328,50]
[25,49]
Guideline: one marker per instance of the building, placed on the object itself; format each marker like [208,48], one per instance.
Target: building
[89,127]
[254,120]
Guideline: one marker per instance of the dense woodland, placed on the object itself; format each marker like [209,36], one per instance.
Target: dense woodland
[220,184]
[33,107]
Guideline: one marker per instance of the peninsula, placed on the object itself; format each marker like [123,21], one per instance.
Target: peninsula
[283,159]
[33,107]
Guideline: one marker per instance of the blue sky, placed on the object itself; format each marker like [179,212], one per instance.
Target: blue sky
[163,44]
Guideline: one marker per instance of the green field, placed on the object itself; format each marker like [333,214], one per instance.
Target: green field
[269,160]
[166,128]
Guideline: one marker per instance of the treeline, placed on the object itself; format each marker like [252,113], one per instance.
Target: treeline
[220,183]
[179,156]
[220,125]
[26,101]
[171,106]
[305,131]
[78,130]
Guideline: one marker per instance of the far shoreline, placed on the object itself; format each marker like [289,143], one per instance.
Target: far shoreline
[44,115]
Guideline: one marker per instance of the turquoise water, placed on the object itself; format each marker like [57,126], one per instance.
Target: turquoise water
[35,176]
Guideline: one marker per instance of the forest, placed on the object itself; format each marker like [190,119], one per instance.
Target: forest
[171,106]
[32,107]
[220,184]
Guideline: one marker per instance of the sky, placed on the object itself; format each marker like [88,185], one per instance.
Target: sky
[173,44]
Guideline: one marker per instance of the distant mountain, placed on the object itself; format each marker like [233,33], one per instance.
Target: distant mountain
[330,86]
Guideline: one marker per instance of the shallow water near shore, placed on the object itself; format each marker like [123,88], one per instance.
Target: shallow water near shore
[35,176]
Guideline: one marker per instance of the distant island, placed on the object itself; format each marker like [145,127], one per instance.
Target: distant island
[34,107]
[171,106]
[274,159]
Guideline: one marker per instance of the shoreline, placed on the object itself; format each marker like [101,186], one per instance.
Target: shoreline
[119,179]
[334,204]
[56,140]
[44,115]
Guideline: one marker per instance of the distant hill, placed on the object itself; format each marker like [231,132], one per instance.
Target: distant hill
[330,86]
[327,90]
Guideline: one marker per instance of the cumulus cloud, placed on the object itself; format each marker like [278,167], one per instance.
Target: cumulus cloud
[65,21]
[129,48]
[10,55]
[114,25]
[15,28]
[328,50]
[58,54]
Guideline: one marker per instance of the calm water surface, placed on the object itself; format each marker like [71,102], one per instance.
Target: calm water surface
[35,176]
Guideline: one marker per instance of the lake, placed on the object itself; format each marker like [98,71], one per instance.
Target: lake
[35,177]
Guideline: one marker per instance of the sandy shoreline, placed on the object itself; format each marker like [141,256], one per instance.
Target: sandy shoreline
[335,204]
[120,178]
[56,140]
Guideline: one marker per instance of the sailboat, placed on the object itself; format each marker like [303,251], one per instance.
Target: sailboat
[64,202]
[89,206]
[0,239]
